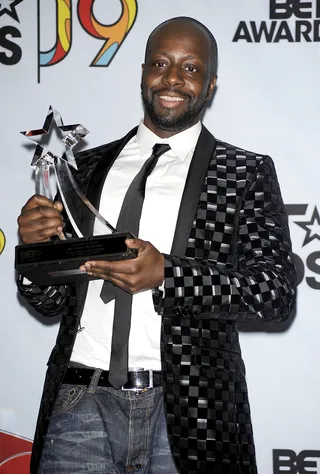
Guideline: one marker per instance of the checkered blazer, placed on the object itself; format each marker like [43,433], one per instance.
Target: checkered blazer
[230,261]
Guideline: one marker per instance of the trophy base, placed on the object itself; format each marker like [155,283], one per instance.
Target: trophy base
[57,262]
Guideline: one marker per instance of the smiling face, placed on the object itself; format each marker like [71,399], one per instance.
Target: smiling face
[176,78]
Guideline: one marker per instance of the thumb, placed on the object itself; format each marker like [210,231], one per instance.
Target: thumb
[58,205]
[134,243]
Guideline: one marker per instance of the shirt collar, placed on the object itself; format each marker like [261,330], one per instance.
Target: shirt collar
[180,143]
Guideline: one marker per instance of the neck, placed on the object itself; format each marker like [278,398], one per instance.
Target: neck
[163,133]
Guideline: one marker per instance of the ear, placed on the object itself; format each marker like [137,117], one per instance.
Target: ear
[211,87]
[142,71]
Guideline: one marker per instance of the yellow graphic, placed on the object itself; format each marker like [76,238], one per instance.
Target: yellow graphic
[64,24]
[2,241]
[64,35]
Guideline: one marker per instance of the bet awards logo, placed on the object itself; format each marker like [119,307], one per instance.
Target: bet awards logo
[282,27]
[10,51]
[308,219]
[110,36]
[287,461]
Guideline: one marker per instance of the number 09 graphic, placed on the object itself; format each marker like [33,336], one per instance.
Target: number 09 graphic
[113,35]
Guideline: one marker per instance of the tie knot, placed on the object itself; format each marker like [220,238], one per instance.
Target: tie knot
[160,148]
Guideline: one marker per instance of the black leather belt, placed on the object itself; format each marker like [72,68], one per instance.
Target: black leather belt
[137,379]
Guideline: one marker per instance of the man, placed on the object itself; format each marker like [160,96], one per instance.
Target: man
[220,254]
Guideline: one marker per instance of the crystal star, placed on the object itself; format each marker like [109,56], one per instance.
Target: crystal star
[8,7]
[311,227]
[60,145]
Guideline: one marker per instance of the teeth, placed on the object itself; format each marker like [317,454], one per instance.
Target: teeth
[170,98]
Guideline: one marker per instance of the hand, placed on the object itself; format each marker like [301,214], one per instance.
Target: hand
[40,219]
[144,272]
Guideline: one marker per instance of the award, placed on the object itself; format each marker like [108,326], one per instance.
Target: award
[58,261]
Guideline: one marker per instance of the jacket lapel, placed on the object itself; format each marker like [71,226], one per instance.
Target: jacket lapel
[191,195]
[96,181]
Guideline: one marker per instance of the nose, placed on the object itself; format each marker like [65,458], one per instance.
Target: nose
[173,76]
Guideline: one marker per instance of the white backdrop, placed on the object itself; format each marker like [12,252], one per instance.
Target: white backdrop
[267,101]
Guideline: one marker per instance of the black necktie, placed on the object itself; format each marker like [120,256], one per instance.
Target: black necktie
[128,221]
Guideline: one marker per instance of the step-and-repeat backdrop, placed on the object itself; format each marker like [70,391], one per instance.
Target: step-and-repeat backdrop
[84,58]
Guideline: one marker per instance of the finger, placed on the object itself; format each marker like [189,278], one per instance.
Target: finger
[134,243]
[103,272]
[121,266]
[41,214]
[139,244]
[39,224]
[37,221]
[116,278]
[37,200]
[39,235]
[58,205]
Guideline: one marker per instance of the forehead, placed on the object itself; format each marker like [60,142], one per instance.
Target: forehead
[177,37]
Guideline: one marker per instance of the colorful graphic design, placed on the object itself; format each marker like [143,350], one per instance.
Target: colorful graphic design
[112,35]
[15,453]
[64,35]
[2,241]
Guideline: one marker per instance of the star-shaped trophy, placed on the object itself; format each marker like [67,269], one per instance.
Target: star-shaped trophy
[46,157]
[75,133]
[58,261]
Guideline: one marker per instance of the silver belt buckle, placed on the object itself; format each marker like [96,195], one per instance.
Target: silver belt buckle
[138,389]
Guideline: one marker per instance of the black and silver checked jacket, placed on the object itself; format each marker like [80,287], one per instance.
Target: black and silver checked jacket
[230,261]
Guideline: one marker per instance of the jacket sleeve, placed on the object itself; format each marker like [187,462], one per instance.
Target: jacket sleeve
[261,284]
[49,300]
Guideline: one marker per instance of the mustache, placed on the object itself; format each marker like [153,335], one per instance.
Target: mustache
[179,93]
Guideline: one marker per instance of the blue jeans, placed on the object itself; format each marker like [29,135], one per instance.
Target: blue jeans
[102,430]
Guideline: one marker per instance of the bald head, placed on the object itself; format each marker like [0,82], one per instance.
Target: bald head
[187,26]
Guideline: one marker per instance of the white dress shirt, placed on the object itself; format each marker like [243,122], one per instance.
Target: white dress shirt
[164,190]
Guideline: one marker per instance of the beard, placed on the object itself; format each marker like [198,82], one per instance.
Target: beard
[168,122]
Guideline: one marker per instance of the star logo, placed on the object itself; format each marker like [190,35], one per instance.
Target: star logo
[65,143]
[8,7]
[311,227]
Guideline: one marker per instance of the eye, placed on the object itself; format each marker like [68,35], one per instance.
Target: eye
[160,64]
[190,68]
